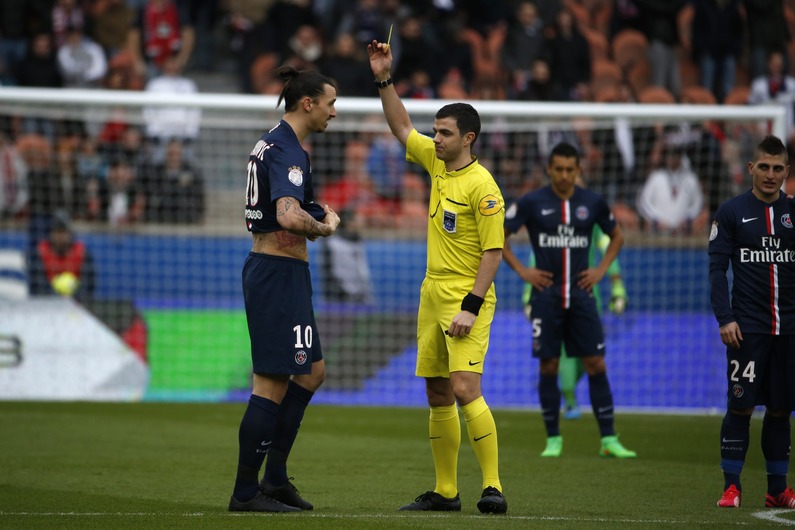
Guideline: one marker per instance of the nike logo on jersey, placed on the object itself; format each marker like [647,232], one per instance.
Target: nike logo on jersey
[724,440]
[600,346]
[473,364]
[477,439]
[547,211]
[434,437]
[749,219]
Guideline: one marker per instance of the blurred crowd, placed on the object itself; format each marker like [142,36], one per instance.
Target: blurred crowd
[540,50]
[627,51]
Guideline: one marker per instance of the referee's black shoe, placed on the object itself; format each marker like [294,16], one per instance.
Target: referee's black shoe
[492,501]
[430,501]
[260,503]
[287,494]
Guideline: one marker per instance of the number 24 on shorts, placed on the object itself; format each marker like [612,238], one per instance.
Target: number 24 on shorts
[748,373]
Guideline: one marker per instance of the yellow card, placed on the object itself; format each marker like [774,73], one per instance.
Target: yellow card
[389,38]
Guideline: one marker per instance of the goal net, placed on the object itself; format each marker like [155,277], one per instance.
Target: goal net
[154,187]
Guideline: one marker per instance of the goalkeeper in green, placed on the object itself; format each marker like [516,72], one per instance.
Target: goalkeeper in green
[571,369]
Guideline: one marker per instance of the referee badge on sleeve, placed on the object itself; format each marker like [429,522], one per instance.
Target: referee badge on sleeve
[713,233]
[489,205]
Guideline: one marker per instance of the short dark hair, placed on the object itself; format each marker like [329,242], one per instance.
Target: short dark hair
[565,150]
[298,84]
[465,116]
[771,145]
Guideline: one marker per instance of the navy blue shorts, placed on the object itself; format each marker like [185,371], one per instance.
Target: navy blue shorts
[762,372]
[578,327]
[281,322]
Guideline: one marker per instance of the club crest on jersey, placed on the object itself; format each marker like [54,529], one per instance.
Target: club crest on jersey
[738,391]
[713,233]
[489,205]
[581,213]
[300,357]
[786,220]
[296,175]
[449,221]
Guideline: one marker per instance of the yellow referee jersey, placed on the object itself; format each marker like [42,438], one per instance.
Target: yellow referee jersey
[466,212]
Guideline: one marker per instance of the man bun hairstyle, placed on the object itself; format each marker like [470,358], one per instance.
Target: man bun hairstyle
[465,115]
[299,84]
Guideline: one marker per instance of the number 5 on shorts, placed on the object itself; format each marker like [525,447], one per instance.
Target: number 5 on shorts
[536,328]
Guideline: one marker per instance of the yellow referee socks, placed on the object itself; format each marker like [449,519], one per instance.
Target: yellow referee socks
[483,436]
[445,434]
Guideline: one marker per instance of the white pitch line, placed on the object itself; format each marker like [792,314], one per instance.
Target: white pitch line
[762,515]
[773,516]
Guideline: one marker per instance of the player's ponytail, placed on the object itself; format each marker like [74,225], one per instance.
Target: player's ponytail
[298,84]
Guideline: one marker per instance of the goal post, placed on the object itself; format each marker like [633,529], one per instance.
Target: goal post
[178,260]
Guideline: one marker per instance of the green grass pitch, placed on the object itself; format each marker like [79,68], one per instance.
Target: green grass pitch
[162,465]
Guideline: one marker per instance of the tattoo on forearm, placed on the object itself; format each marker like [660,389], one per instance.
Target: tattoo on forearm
[284,205]
[310,226]
[314,227]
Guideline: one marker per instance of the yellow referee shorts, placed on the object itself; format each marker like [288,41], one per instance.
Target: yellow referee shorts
[438,354]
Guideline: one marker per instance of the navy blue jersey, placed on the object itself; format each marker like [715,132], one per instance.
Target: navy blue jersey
[278,167]
[560,232]
[759,241]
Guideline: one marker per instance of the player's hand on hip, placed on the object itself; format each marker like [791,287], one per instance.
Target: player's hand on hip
[588,278]
[731,335]
[538,278]
[461,325]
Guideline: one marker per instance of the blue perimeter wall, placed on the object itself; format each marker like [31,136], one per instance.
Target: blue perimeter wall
[664,353]
[204,272]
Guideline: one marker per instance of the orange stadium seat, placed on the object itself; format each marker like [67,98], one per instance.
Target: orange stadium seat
[597,43]
[638,76]
[697,95]
[688,70]
[607,94]
[602,15]
[789,16]
[604,73]
[656,94]
[684,21]
[580,14]
[262,71]
[628,48]
[737,96]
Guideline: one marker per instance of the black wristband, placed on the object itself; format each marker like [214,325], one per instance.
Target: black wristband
[471,303]
[383,84]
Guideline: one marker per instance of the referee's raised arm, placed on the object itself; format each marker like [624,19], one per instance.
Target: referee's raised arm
[396,116]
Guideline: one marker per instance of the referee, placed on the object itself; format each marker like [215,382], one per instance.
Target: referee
[457,298]
[286,355]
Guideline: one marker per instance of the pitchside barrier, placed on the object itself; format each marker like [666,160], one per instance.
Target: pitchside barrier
[168,243]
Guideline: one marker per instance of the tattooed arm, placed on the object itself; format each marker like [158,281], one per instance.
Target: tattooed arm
[296,220]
